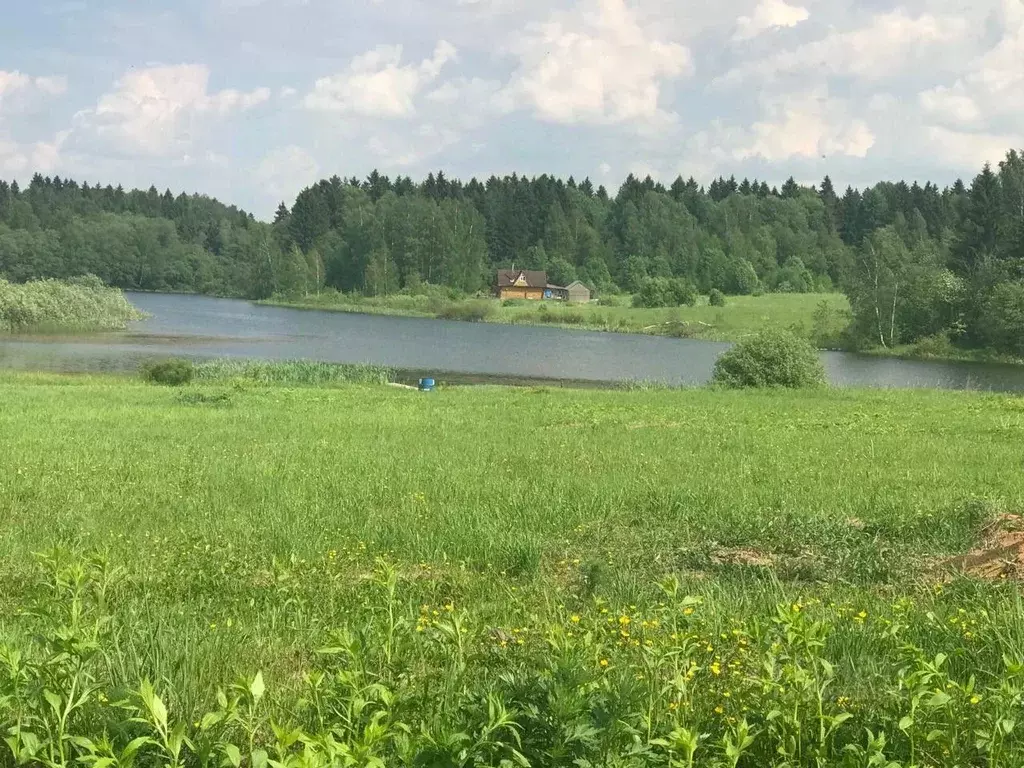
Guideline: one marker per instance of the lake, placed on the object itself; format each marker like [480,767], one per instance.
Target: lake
[200,327]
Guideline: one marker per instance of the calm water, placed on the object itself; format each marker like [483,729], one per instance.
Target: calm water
[201,327]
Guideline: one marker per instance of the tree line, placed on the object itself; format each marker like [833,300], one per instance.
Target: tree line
[919,263]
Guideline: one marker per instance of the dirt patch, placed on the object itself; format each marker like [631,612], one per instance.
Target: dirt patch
[1000,554]
[751,557]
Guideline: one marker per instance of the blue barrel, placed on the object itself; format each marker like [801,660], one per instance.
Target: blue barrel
[426,385]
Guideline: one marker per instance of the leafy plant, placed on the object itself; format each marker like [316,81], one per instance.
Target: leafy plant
[770,359]
[171,373]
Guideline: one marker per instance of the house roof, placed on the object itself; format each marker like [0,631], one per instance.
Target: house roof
[574,283]
[534,279]
[557,287]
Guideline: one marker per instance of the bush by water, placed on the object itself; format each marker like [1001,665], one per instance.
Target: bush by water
[772,358]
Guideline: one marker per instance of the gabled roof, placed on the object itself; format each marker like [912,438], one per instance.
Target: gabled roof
[574,283]
[507,278]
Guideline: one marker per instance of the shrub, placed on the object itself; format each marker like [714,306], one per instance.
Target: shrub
[772,358]
[936,345]
[171,373]
[546,314]
[665,292]
[471,311]
[716,298]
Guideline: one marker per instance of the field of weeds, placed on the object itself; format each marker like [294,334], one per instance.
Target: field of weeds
[364,576]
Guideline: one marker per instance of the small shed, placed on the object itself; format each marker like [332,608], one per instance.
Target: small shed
[577,292]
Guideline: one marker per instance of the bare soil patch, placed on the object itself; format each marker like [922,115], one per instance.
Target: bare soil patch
[1000,555]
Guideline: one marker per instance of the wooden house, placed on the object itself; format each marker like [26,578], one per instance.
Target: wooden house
[521,284]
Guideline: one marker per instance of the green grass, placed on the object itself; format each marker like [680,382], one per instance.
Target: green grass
[741,316]
[570,575]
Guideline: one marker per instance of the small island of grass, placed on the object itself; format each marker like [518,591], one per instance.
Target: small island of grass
[79,304]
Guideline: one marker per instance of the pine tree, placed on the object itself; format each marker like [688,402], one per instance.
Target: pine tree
[979,231]
[827,193]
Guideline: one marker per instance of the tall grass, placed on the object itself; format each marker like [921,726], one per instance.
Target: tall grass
[292,372]
[81,304]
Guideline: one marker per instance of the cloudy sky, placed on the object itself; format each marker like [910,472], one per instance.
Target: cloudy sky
[250,100]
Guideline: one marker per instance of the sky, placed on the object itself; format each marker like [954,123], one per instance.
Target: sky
[252,100]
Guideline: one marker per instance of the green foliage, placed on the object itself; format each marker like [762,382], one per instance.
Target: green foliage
[744,278]
[937,347]
[665,292]
[1003,318]
[716,298]
[772,358]
[558,315]
[81,304]
[171,373]
[472,311]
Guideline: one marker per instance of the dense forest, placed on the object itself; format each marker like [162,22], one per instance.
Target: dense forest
[917,262]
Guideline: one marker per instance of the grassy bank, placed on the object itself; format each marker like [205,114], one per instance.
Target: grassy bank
[823,315]
[484,575]
[82,304]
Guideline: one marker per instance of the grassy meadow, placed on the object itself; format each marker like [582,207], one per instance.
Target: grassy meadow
[822,315]
[241,572]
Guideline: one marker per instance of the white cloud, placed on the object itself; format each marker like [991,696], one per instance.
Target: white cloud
[993,85]
[403,150]
[52,86]
[958,149]
[161,109]
[883,48]
[596,64]
[19,83]
[769,14]
[285,171]
[377,84]
[21,160]
[806,125]
[13,81]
